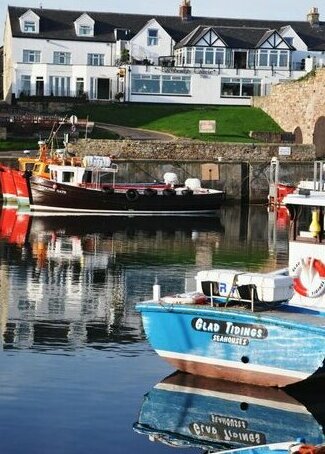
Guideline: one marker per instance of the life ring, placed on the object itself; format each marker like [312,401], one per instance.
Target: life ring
[132,195]
[150,192]
[169,192]
[316,288]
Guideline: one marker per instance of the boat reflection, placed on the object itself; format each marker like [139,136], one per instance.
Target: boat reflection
[187,410]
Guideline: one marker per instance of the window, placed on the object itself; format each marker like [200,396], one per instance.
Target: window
[29,27]
[161,85]
[236,87]
[80,86]
[176,85]
[152,37]
[59,86]
[209,53]
[31,56]
[220,56]
[263,58]
[283,60]
[289,40]
[189,55]
[96,59]
[62,58]
[25,85]
[273,58]
[85,30]
[199,52]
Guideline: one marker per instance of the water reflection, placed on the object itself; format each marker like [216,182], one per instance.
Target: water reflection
[68,288]
[68,281]
[187,410]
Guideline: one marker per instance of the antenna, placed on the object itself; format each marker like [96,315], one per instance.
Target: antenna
[41,5]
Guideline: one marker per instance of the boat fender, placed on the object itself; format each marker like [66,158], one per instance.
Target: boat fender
[132,195]
[169,192]
[109,190]
[311,267]
[185,299]
[150,192]
[55,186]
[187,192]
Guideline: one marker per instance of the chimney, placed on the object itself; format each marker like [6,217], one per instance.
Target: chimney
[185,10]
[313,17]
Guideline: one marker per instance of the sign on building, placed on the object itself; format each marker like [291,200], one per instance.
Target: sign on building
[284,151]
[207,126]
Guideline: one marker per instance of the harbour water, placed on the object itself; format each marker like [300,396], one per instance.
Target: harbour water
[76,370]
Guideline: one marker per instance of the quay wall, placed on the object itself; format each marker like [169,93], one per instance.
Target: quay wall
[242,170]
[298,107]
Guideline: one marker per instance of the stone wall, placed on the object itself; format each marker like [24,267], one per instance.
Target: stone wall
[298,107]
[187,150]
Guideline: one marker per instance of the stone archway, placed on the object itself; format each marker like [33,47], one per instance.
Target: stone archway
[319,137]
[298,135]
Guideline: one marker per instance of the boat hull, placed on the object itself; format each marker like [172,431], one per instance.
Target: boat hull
[271,348]
[47,195]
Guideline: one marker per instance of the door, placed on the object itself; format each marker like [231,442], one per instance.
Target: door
[103,89]
[240,59]
[39,86]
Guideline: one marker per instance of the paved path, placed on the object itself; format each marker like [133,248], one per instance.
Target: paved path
[136,134]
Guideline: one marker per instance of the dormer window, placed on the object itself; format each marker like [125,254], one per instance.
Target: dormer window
[84,25]
[29,22]
[29,27]
[85,30]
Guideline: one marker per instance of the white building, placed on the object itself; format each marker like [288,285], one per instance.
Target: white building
[167,59]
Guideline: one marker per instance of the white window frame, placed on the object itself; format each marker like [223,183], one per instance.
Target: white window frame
[95,60]
[29,26]
[62,58]
[152,37]
[85,30]
[31,56]
[25,82]
[268,53]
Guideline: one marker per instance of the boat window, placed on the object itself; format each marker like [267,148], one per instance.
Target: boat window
[36,168]
[310,220]
[86,178]
[29,166]
[67,177]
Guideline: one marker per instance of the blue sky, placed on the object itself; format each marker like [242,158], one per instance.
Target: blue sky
[255,9]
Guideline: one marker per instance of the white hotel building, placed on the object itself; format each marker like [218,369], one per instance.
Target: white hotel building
[156,59]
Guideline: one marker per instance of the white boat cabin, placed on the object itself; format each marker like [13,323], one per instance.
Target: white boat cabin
[92,172]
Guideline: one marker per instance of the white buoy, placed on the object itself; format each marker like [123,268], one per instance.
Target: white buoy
[156,291]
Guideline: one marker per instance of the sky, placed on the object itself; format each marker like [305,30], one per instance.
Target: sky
[248,9]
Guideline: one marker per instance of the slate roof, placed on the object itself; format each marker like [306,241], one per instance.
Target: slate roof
[59,25]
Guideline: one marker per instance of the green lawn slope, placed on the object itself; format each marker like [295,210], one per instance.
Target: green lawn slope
[233,123]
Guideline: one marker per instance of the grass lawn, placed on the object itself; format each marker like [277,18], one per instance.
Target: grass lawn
[18,144]
[233,123]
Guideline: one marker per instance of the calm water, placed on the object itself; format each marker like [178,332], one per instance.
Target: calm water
[75,365]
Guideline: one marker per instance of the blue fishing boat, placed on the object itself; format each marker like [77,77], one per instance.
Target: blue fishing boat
[188,410]
[260,328]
